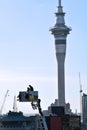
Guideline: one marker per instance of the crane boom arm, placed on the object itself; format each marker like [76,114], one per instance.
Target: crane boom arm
[4,102]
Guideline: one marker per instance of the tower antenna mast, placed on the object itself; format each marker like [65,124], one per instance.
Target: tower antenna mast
[59,2]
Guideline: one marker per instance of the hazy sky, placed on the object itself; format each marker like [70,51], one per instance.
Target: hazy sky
[27,50]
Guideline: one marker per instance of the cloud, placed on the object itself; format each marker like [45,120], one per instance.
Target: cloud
[12,76]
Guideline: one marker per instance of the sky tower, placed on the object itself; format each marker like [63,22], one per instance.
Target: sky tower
[60,32]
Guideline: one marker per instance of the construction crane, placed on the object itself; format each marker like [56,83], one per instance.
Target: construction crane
[80,95]
[4,102]
[15,104]
[32,96]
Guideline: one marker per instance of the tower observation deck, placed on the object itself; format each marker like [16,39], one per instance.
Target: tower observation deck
[60,32]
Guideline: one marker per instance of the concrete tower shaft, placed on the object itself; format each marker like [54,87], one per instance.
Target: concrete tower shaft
[60,32]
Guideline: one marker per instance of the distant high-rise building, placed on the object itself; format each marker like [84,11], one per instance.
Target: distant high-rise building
[60,32]
[84,108]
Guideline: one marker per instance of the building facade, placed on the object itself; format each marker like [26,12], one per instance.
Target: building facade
[84,108]
[17,121]
[58,120]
